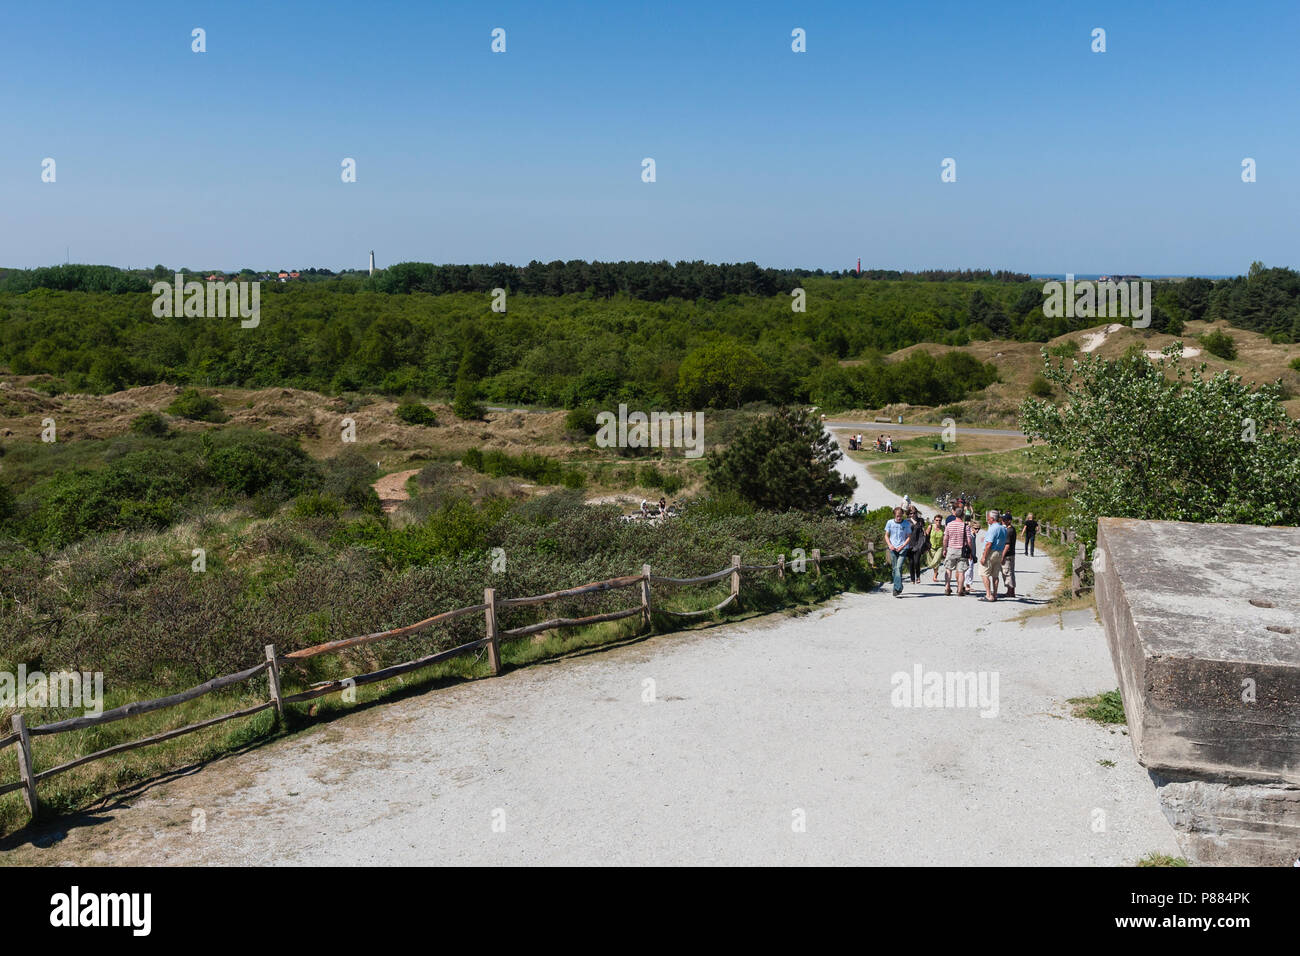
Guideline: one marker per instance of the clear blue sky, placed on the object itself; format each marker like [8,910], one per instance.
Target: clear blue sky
[1067,160]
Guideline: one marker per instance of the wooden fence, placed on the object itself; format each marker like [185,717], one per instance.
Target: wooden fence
[1080,572]
[22,734]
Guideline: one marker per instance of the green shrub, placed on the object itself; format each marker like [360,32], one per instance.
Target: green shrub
[722,504]
[781,461]
[413,413]
[1040,387]
[194,405]
[1157,441]
[1219,343]
[649,477]
[529,465]
[349,477]
[672,483]
[249,463]
[315,505]
[465,404]
[150,425]
[582,420]
[1294,363]
[135,493]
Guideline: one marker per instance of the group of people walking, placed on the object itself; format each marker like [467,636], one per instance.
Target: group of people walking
[959,546]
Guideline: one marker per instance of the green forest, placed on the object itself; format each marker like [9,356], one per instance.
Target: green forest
[92,328]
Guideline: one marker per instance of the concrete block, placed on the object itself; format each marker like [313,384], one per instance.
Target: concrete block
[1203,623]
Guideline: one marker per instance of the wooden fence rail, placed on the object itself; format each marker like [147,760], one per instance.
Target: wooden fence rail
[22,734]
[1079,568]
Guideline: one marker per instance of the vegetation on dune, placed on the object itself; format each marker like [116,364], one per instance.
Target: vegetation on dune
[133,606]
[780,462]
[1220,344]
[533,467]
[1154,439]
[416,413]
[194,405]
[141,482]
[1001,480]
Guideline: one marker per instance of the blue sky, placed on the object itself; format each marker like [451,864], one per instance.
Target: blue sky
[1067,160]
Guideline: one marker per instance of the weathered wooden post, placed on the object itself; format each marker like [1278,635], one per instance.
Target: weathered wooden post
[735,576]
[273,679]
[25,772]
[493,645]
[817,561]
[645,595]
[871,554]
[780,567]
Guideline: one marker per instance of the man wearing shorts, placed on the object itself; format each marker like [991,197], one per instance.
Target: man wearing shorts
[994,543]
[1009,555]
[954,552]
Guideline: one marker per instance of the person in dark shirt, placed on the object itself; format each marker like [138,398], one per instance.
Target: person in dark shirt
[1009,561]
[1031,532]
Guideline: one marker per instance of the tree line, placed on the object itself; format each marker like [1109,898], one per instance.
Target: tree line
[650,281]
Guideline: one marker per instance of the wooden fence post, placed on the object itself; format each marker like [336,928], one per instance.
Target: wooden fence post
[25,764]
[735,576]
[645,595]
[493,645]
[273,679]
[817,561]
[780,567]
[871,553]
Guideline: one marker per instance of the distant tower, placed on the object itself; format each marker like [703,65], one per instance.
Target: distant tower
[372,261]
[859,265]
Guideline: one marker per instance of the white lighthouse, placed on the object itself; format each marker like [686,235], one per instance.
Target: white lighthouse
[372,261]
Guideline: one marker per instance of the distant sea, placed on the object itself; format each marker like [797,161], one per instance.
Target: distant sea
[1060,276]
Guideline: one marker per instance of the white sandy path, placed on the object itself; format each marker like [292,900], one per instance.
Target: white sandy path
[870,491]
[752,724]
[1187,352]
[1093,340]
